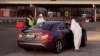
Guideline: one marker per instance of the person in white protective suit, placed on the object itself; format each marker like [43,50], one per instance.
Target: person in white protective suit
[77,33]
[40,19]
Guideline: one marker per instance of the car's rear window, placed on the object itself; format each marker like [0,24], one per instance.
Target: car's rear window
[44,26]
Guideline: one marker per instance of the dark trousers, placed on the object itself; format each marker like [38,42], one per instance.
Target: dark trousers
[23,30]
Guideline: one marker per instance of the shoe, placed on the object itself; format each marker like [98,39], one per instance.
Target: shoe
[77,50]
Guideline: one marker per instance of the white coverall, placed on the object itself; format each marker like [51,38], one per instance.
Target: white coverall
[77,32]
[40,19]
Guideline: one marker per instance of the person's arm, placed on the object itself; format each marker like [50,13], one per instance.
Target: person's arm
[34,22]
[43,20]
[26,22]
[73,25]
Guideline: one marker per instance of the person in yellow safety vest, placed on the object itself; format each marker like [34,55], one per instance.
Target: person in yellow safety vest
[29,22]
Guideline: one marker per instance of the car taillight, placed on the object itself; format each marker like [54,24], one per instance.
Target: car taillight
[20,36]
[44,36]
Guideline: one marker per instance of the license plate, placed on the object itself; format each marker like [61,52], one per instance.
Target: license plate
[30,36]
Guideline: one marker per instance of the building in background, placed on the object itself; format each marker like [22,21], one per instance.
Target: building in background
[49,8]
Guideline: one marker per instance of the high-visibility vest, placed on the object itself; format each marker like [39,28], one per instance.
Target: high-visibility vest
[30,22]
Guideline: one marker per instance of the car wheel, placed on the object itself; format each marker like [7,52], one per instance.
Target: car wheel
[58,46]
[84,40]
[28,49]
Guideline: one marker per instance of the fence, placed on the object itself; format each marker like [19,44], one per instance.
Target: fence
[13,20]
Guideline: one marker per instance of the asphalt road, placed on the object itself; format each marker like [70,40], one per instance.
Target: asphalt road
[8,45]
[8,38]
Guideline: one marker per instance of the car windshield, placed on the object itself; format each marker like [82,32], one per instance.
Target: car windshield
[43,26]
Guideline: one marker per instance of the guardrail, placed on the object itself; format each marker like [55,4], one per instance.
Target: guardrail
[13,20]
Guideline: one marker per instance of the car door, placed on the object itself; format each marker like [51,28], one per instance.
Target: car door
[67,36]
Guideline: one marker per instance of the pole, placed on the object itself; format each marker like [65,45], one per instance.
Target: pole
[94,12]
[35,12]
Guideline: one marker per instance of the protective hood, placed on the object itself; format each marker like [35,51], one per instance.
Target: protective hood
[40,19]
[74,25]
[77,32]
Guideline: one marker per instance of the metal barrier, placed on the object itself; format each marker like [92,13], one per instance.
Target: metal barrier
[13,20]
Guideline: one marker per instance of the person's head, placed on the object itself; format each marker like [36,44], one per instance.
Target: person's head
[40,16]
[30,16]
[73,20]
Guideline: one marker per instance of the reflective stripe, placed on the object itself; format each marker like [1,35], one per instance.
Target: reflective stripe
[30,22]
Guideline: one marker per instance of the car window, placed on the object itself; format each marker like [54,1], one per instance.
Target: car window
[68,25]
[61,26]
[44,26]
